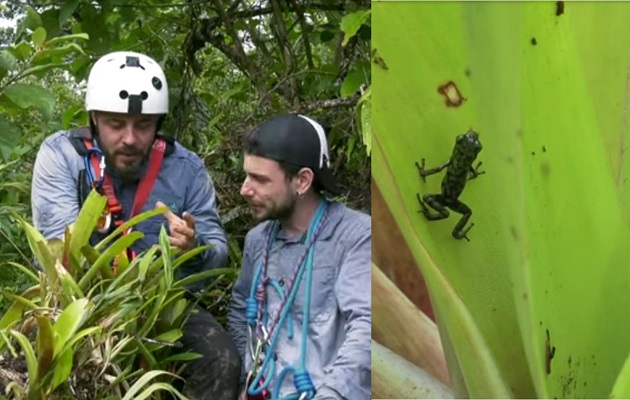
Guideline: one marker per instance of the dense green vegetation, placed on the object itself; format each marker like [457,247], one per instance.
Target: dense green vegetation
[229,64]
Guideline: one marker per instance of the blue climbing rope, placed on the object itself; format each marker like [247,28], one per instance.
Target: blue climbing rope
[88,167]
[302,380]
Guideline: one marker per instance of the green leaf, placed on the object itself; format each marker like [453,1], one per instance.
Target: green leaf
[72,36]
[45,346]
[188,356]
[351,23]
[11,133]
[41,68]
[103,262]
[171,314]
[205,275]
[170,336]
[37,243]
[352,83]
[148,392]
[63,368]
[27,95]
[68,115]
[53,55]
[8,62]
[140,383]
[26,303]
[544,256]
[50,22]
[128,224]
[14,313]
[190,254]
[326,36]
[69,322]
[27,272]
[68,8]
[39,36]
[86,222]
[22,51]
[29,355]
[33,20]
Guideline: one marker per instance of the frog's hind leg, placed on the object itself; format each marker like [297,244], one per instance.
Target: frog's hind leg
[434,201]
[459,232]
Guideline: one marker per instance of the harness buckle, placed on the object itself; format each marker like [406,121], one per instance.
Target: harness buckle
[104,222]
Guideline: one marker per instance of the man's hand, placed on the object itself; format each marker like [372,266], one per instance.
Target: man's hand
[182,229]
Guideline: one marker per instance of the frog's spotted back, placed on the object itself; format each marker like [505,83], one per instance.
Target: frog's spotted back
[459,170]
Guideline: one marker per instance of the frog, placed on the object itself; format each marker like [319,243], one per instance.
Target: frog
[459,170]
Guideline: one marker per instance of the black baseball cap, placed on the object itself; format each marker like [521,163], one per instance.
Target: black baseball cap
[300,141]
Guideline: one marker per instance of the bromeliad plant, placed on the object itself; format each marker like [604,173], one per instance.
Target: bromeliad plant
[88,331]
[536,304]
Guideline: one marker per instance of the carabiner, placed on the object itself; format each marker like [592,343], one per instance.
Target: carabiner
[104,223]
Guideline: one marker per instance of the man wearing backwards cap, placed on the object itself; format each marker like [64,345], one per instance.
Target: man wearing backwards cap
[295,345]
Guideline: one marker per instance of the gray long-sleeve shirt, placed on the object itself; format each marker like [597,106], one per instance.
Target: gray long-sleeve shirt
[338,347]
[183,184]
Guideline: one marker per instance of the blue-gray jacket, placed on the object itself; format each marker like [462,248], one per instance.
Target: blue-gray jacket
[183,184]
[339,343]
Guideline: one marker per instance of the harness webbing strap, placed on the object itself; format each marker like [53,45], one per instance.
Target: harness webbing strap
[144,187]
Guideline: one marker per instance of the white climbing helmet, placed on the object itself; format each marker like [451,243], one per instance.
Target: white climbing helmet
[127,82]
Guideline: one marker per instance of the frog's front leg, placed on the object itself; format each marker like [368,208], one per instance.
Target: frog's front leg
[426,172]
[436,202]
[474,172]
[459,232]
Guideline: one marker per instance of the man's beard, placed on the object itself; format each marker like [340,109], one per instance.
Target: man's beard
[281,212]
[128,172]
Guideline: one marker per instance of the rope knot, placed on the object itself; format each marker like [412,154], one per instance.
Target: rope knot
[303,382]
[251,310]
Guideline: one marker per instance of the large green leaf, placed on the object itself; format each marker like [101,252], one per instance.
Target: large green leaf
[10,137]
[86,222]
[69,322]
[548,251]
[350,23]
[27,95]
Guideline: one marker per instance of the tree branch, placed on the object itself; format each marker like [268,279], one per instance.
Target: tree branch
[303,27]
[330,103]
[287,51]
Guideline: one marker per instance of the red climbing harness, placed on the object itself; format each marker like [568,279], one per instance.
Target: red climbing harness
[113,207]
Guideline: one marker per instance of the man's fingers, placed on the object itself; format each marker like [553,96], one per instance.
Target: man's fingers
[169,215]
[190,220]
[178,242]
[183,230]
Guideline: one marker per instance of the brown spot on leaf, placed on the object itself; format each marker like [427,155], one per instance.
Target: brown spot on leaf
[550,351]
[534,42]
[452,94]
[559,8]
[514,232]
[545,169]
[467,72]
[544,149]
